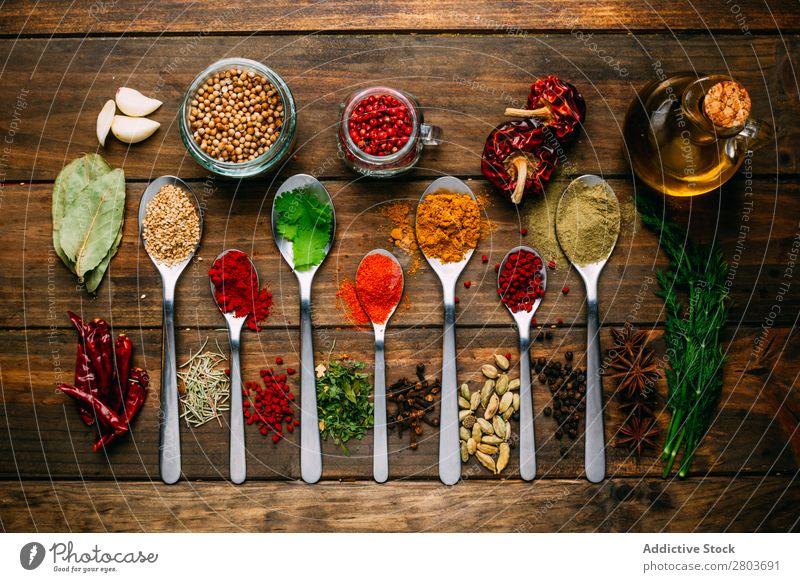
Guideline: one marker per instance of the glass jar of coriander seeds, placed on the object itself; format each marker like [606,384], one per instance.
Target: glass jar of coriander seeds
[238,119]
[382,132]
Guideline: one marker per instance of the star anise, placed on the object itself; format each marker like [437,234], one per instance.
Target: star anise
[636,375]
[638,434]
[637,406]
[629,340]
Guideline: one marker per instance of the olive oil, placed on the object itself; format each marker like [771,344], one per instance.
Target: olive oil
[687,135]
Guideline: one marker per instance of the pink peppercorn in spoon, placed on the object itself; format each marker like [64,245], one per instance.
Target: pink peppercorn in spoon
[521,283]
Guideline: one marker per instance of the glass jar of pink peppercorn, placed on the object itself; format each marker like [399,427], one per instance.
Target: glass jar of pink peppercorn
[382,132]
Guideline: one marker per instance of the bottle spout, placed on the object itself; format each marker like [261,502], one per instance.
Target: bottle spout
[754,135]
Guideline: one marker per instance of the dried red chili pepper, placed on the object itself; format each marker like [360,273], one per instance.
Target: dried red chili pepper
[101,351]
[557,104]
[518,159]
[85,377]
[123,350]
[104,414]
[136,394]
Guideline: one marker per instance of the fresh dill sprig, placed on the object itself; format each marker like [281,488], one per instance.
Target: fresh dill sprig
[696,359]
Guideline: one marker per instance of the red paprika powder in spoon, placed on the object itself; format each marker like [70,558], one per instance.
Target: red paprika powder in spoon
[379,286]
[236,288]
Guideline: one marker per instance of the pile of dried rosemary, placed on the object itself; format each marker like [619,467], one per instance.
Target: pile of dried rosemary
[204,388]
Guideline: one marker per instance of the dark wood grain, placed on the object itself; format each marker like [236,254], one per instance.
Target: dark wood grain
[466,61]
[463,82]
[184,16]
[38,289]
[729,504]
[41,435]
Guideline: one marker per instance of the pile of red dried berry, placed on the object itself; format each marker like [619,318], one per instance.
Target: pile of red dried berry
[380,125]
[270,406]
[520,283]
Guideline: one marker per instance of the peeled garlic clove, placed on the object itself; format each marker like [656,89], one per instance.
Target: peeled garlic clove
[133,129]
[104,120]
[133,103]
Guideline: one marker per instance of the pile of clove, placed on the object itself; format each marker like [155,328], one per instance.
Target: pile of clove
[415,403]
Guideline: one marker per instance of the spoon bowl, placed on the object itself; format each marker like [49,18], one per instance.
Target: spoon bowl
[237,453]
[380,455]
[594,454]
[448,273]
[170,448]
[310,446]
[523,319]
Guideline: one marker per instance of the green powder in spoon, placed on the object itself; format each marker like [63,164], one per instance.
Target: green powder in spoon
[588,222]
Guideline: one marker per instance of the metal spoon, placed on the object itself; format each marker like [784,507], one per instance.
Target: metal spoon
[310,448]
[449,450]
[380,454]
[595,448]
[237,454]
[170,449]
[527,442]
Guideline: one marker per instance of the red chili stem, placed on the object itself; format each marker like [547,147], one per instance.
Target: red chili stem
[521,164]
[542,113]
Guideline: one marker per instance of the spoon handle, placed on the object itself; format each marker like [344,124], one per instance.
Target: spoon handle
[310,449]
[380,454]
[237,460]
[449,453]
[170,449]
[595,450]
[527,442]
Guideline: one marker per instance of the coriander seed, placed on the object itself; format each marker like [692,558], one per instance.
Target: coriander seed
[171,226]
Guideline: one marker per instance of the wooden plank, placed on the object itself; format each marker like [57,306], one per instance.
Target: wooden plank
[41,435]
[52,90]
[718,504]
[513,18]
[38,289]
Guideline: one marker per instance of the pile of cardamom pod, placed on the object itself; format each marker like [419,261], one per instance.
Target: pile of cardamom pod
[486,414]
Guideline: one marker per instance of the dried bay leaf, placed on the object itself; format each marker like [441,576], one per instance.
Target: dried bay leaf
[92,222]
[69,185]
[93,278]
[88,208]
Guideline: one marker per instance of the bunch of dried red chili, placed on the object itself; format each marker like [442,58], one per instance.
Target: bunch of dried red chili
[107,388]
[270,406]
[236,288]
[519,156]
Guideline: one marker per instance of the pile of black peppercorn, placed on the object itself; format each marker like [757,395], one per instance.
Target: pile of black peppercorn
[568,388]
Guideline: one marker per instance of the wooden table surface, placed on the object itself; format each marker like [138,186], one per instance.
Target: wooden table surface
[466,61]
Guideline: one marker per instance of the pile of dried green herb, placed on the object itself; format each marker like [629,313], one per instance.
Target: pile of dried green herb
[696,360]
[343,402]
[88,208]
[205,387]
